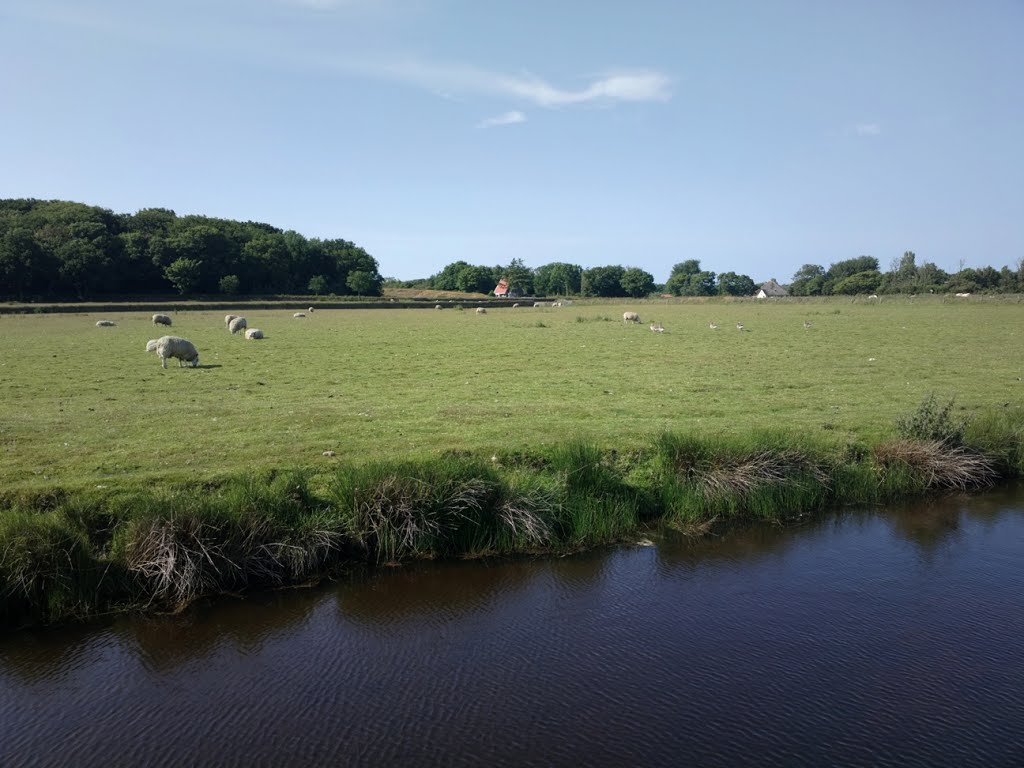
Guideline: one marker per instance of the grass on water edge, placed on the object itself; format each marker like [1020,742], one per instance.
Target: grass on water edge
[70,555]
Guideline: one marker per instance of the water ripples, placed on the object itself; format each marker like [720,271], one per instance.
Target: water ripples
[865,639]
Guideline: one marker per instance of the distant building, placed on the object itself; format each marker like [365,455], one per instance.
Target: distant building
[502,290]
[770,290]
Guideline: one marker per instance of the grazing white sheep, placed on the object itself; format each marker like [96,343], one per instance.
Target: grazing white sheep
[538,304]
[229,318]
[237,324]
[657,327]
[173,346]
[438,306]
[481,311]
[515,306]
[630,317]
[254,333]
[310,309]
[161,320]
[104,323]
[299,314]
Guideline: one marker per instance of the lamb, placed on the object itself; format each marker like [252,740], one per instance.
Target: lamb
[104,323]
[254,333]
[229,318]
[237,324]
[161,320]
[630,317]
[299,314]
[172,346]
[481,311]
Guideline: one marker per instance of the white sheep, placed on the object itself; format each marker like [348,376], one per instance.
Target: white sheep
[237,324]
[538,304]
[438,306]
[481,311]
[311,309]
[254,333]
[630,317]
[104,323]
[229,318]
[657,328]
[515,306]
[161,320]
[173,346]
[299,314]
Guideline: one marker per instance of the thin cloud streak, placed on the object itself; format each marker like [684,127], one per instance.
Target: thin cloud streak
[509,118]
[867,129]
[612,88]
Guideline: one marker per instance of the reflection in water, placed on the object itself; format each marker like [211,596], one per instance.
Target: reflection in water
[860,638]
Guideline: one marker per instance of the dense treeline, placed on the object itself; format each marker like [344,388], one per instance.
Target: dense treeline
[53,249]
[862,275]
[56,249]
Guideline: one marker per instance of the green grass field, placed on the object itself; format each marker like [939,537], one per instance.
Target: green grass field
[85,406]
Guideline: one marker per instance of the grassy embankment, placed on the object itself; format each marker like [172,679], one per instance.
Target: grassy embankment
[456,434]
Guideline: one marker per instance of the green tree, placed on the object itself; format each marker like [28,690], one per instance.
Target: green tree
[184,274]
[603,281]
[364,283]
[861,282]
[519,277]
[317,285]
[472,279]
[679,280]
[230,284]
[844,269]
[19,261]
[731,284]
[636,283]
[809,280]
[558,278]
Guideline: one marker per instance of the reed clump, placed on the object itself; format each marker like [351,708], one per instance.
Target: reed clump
[927,465]
[761,476]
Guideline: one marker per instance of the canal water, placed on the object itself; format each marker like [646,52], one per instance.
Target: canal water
[874,638]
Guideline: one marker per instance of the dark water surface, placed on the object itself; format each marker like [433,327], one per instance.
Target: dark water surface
[889,638]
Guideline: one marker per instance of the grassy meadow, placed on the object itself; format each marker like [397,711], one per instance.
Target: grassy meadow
[86,406]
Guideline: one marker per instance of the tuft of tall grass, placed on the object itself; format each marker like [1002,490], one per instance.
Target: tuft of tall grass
[598,505]
[426,509]
[762,476]
[908,466]
[47,571]
[998,433]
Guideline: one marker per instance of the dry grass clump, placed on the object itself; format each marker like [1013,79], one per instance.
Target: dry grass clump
[178,559]
[934,464]
[745,474]
[415,510]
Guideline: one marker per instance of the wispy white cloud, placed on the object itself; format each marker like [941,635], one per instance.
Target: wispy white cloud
[867,129]
[611,88]
[509,118]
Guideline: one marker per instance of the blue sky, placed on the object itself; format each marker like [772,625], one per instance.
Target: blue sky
[754,136]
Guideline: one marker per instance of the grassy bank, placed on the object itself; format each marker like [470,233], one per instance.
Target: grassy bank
[67,555]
